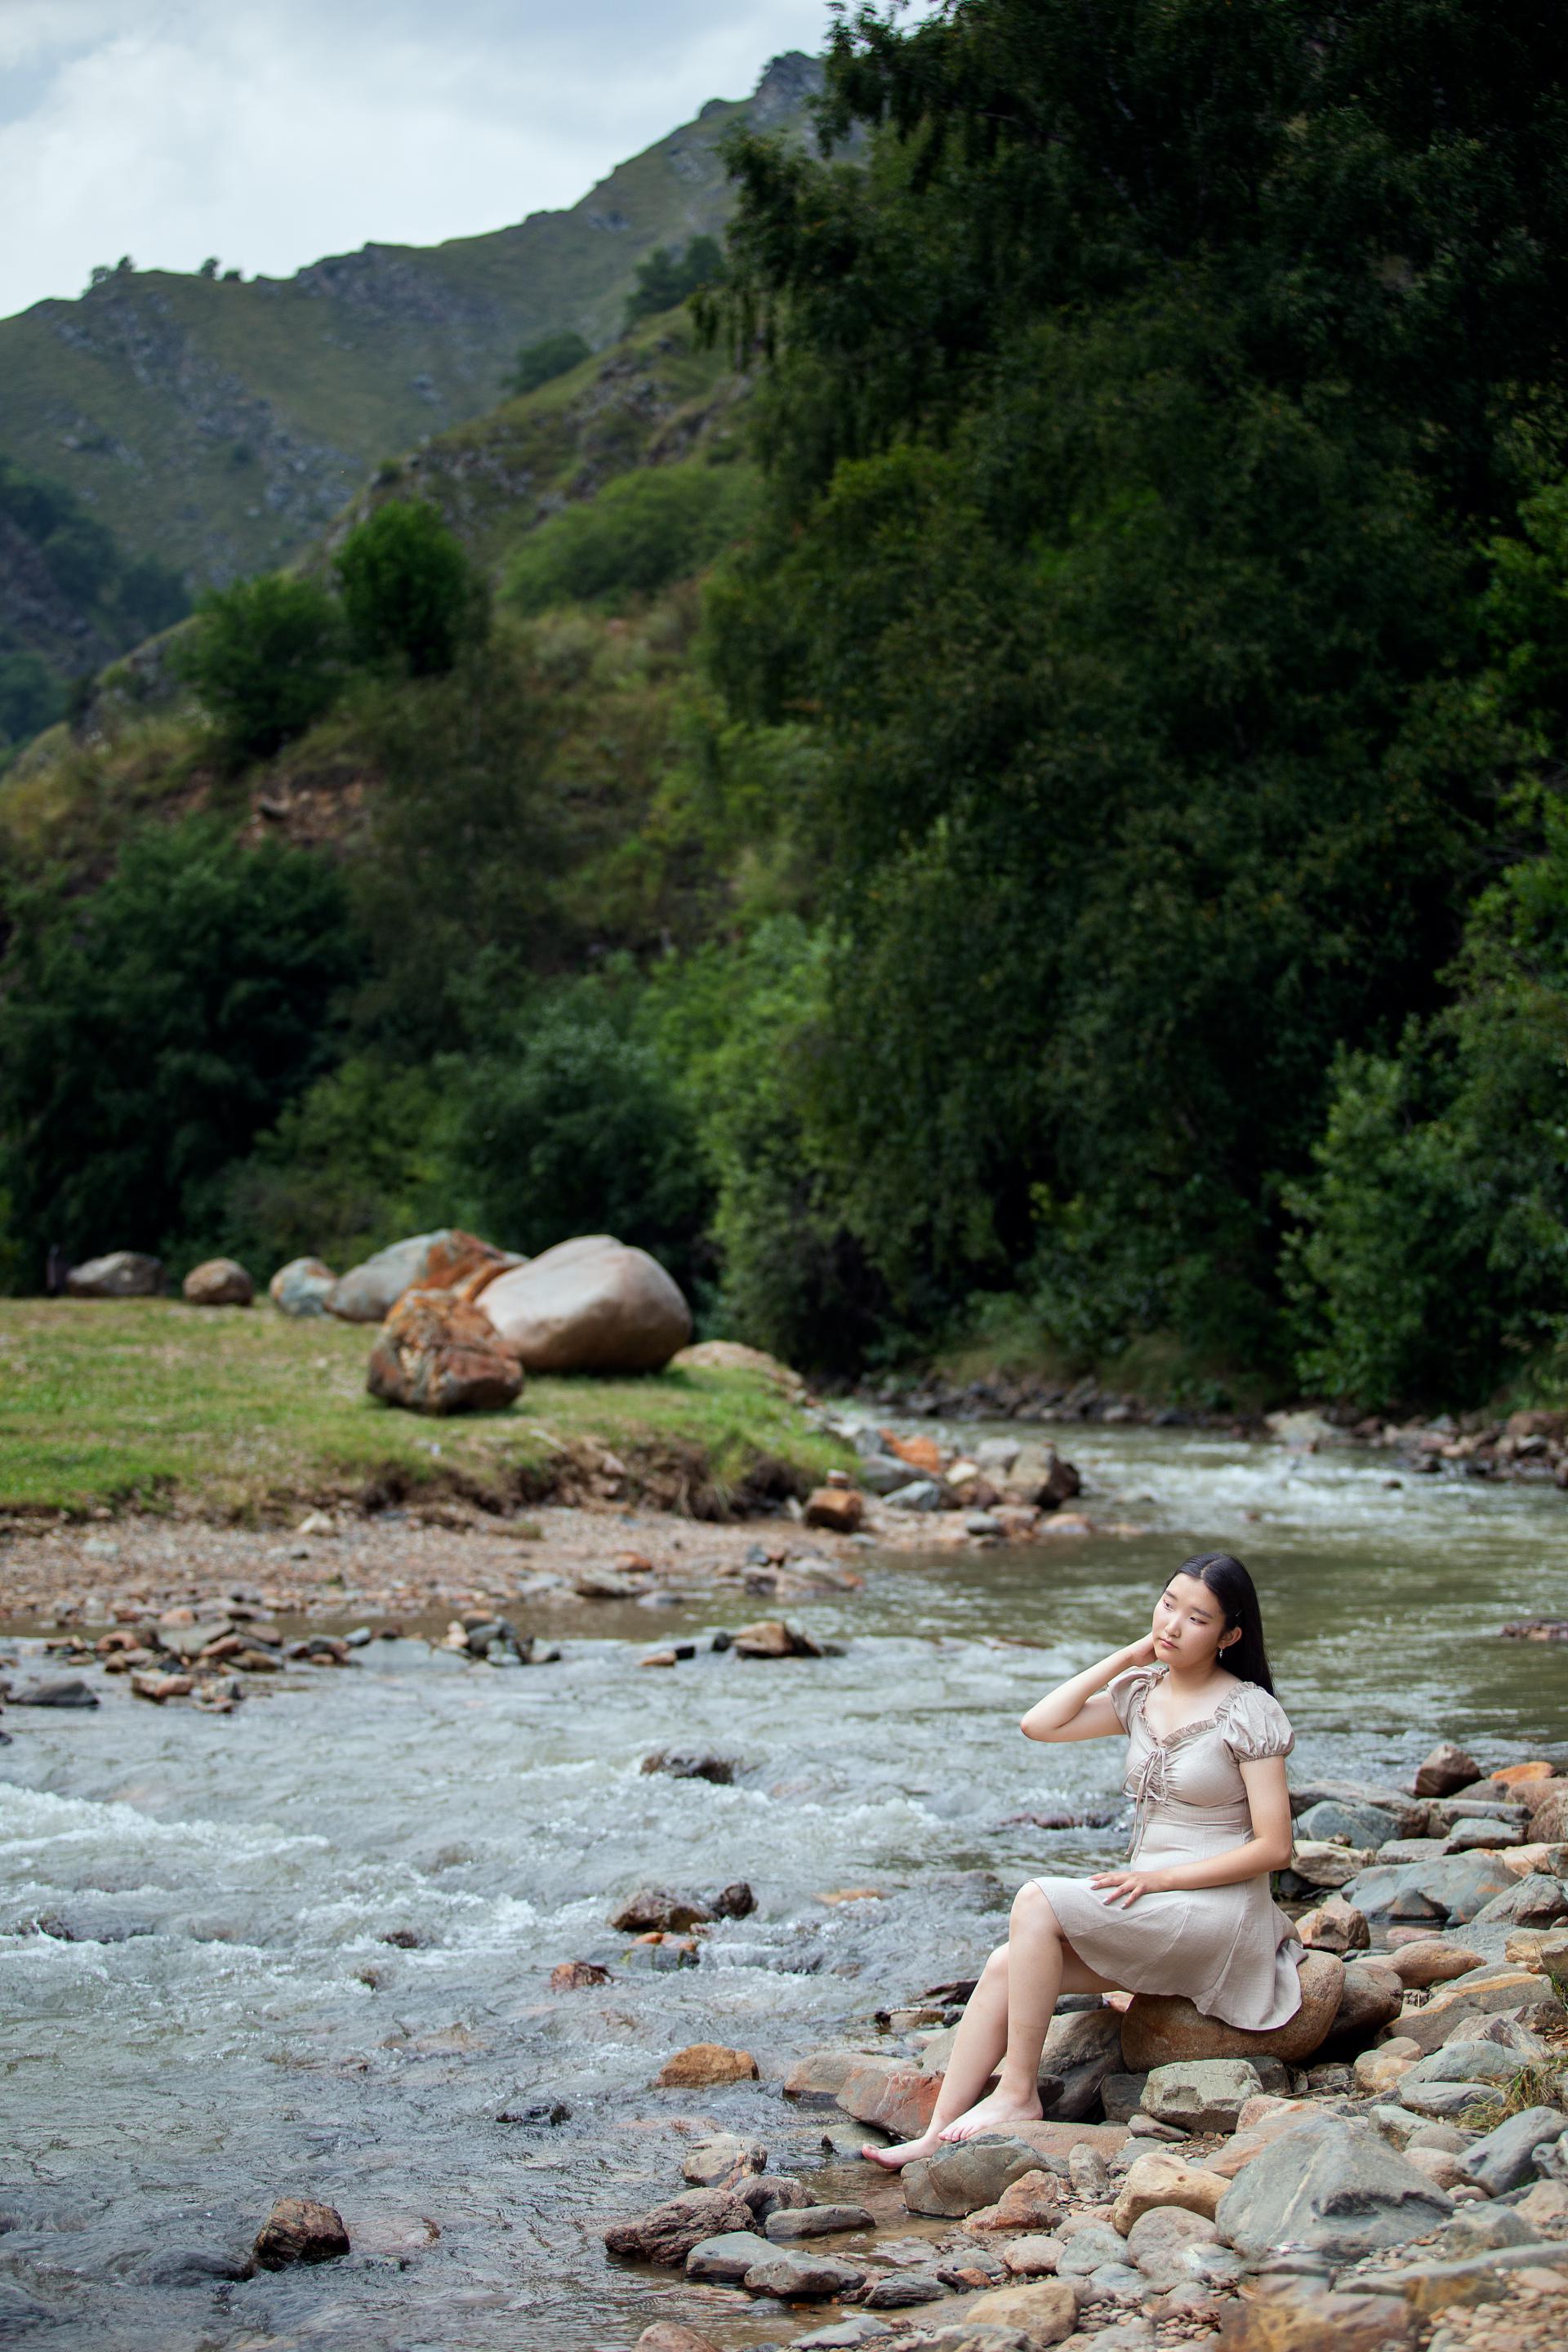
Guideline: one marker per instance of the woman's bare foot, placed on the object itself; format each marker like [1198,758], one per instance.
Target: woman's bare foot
[1001,2107]
[909,2151]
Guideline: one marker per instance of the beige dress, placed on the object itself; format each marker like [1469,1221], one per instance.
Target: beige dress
[1230,1949]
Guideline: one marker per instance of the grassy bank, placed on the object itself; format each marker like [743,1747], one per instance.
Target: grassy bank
[241,1415]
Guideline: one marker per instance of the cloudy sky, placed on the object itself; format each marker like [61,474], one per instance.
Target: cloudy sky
[270,131]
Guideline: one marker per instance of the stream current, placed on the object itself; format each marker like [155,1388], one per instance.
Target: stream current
[229,2024]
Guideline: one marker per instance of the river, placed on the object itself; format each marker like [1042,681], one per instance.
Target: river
[251,2034]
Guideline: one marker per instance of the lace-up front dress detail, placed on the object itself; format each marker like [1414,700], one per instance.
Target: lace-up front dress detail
[1230,1949]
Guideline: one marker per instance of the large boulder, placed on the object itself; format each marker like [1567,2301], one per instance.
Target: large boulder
[437,1354]
[1081,2050]
[1434,1893]
[122,1273]
[1504,1990]
[964,2175]
[590,1306]
[304,1287]
[1333,2186]
[1160,2029]
[218,1282]
[437,1261]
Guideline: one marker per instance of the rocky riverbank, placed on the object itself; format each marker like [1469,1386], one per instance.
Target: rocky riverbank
[1391,2168]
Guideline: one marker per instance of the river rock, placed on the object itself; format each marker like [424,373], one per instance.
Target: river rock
[1348,1824]
[297,2230]
[719,2162]
[1039,1477]
[1033,2202]
[815,2080]
[961,2178]
[669,2336]
[1463,2062]
[590,1305]
[838,1508]
[905,2290]
[56,1690]
[1482,1836]
[1335,1925]
[657,1907]
[1431,1962]
[1537,1901]
[1040,2314]
[1549,1819]
[1447,1889]
[704,2066]
[1159,2240]
[1307,2319]
[764,2194]
[1445,1771]
[120,1274]
[666,2233]
[1505,2158]
[893,2096]
[1088,2248]
[1372,1998]
[1159,2028]
[791,2224]
[1500,1990]
[1202,2095]
[772,1637]
[435,1354]
[1378,2072]
[1165,2178]
[1081,2050]
[434,1261]
[1408,1812]
[916,1494]
[728,2257]
[302,1287]
[796,2277]
[1331,2186]
[218,1282]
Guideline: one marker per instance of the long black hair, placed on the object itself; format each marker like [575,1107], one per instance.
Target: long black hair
[1238,1595]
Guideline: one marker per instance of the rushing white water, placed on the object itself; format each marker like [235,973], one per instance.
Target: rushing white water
[230,2025]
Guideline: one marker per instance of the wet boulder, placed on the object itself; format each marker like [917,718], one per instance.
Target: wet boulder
[1349,1824]
[1445,1890]
[437,1354]
[592,1304]
[303,1287]
[799,2277]
[1509,2156]
[1447,1769]
[704,2066]
[218,1282]
[666,2233]
[55,1690]
[299,2229]
[657,1907]
[121,1274]
[435,1261]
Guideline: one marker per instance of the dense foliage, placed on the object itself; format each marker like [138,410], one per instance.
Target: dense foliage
[149,1036]
[667,277]
[1091,861]
[266,658]
[543,361]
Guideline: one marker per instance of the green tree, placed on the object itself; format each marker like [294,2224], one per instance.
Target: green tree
[266,658]
[667,277]
[643,531]
[543,361]
[410,594]
[149,1033]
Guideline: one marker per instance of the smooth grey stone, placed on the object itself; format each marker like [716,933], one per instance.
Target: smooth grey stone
[728,2257]
[815,2222]
[1441,2100]
[1481,2230]
[1333,2188]
[904,2290]
[795,2276]
[55,1690]
[1090,2249]
[843,2336]
[1116,2282]
[1350,1824]
[1471,2060]
[1506,2157]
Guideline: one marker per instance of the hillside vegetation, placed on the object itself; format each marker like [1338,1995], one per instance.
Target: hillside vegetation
[1008,803]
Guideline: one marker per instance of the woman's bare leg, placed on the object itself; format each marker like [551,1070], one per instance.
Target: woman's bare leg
[977,2048]
[984,2036]
[1041,1965]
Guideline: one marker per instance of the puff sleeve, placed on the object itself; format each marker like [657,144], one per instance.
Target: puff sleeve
[1127,1691]
[1256,1725]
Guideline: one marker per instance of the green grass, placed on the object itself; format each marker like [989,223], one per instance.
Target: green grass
[241,1413]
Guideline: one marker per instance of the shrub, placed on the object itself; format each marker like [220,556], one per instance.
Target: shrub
[410,594]
[352,1163]
[150,1033]
[543,361]
[266,658]
[667,277]
[643,531]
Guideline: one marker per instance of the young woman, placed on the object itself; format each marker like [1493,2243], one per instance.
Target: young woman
[1191,1912]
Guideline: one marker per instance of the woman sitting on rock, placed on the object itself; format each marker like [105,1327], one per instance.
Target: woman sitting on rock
[1191,1912]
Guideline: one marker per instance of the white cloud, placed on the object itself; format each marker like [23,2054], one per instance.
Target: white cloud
[271,132]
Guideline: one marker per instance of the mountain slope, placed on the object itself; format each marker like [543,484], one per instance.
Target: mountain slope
[220,425]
